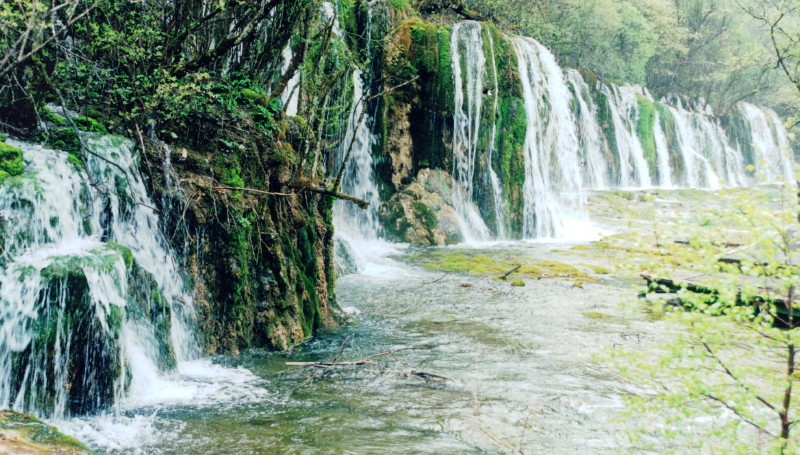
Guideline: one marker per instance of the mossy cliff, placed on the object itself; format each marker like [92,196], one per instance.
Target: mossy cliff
[82,339]
[417,124]
[259,254]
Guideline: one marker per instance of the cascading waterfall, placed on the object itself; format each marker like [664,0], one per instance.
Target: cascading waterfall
[773,155]
[85,321]
[662,154]
[623,104]
[497,190]
[351,221]
[291,94]
[553,181]
[591,137]
[469,68]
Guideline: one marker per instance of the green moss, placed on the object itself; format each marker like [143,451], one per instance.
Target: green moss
[400,5]
[126,253]
[518,283]
[37,431]
[426,216]
[90,124]
[600,270]
[668,126]
[49,116]
[606,121]
[255,97]
[11,163]
[596,315]
[645,129]
[512,127]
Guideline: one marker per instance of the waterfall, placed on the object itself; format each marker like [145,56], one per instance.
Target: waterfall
[351,221]
[497,190]
[291,93]
[624,109]
[469,68]
[553,182]
[591,136]
[93,306]
[773,155]
[662,154]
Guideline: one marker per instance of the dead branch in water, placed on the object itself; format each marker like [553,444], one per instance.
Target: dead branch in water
[505,275]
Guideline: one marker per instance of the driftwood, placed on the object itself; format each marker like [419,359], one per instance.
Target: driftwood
[505,275]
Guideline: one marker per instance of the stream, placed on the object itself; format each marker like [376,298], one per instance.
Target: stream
[514,373]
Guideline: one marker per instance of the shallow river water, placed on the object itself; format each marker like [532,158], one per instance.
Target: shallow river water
[485,368]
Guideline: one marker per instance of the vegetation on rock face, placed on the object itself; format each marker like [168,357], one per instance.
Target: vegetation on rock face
[644,129]
[206,79]
[23,433]
[10,161]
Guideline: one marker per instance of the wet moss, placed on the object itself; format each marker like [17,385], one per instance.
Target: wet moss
[421,50]
[478,262]
[49,116]
[673,146]
[606,121]
[645,129]
[90,124]
[33,434]
[11,163]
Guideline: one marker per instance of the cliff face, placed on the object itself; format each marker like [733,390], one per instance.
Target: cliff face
[260,265]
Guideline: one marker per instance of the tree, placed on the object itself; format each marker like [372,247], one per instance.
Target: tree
[734,363]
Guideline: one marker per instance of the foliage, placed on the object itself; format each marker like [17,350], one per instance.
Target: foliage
[726,380]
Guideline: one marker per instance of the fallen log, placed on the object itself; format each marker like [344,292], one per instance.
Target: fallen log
[505,275]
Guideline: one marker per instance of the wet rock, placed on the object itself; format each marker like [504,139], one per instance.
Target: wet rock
[423,214]
[75,337]
[23,434]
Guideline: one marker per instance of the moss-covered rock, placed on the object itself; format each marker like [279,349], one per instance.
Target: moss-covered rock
[90,124]
[11,163]
[423,214]
[645,129]
[76,341]
[25,434]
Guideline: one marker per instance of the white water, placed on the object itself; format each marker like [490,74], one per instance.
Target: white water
[553,188]
[56,217]
[662,154]
[497,190]
[591,137]
[624,106]
[773,154]
[291,93]
[469,68]
[360,229]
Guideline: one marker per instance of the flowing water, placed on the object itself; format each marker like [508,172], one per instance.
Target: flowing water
[773,154]
[469,70]
[591,137]
[515,366]
[553,187]
[64,278]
